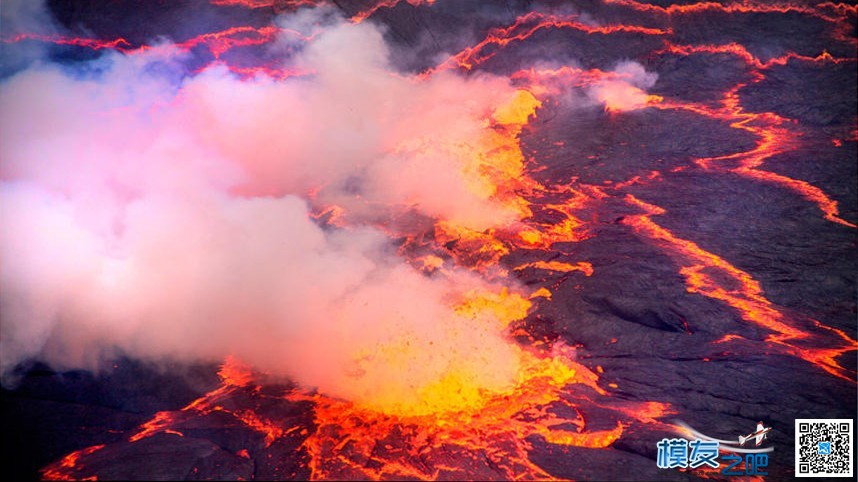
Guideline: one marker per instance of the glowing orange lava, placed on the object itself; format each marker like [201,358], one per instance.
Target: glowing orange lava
[349,437]
[774,137]
[351,441]
[218,43]
[583,266]
[699,268]
[487,431]
[528,24]
[119,44]
[463,430]
[65,467]
[364,14]
[737,7]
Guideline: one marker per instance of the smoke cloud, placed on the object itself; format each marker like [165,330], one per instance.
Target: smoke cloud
[19,17]
[165,215]
[625,89]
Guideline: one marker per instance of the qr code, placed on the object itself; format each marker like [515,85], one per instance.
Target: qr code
[823,447]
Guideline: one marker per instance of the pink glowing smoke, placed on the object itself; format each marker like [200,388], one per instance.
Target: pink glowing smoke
[171,218]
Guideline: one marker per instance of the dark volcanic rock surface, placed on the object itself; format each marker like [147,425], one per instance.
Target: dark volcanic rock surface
[50,414]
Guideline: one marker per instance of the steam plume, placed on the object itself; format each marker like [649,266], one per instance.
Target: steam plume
[168,216]
[626,89]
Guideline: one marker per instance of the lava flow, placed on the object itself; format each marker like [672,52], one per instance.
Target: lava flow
[527,25]
[350,441]
[492,425]
[771,130]
[701,270]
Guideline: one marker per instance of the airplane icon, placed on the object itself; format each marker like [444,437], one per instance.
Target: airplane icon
[759,435]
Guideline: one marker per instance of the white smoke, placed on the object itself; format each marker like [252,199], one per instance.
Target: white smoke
[170,218]
[626,89]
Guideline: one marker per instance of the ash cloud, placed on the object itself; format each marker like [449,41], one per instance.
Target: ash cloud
[169,217]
